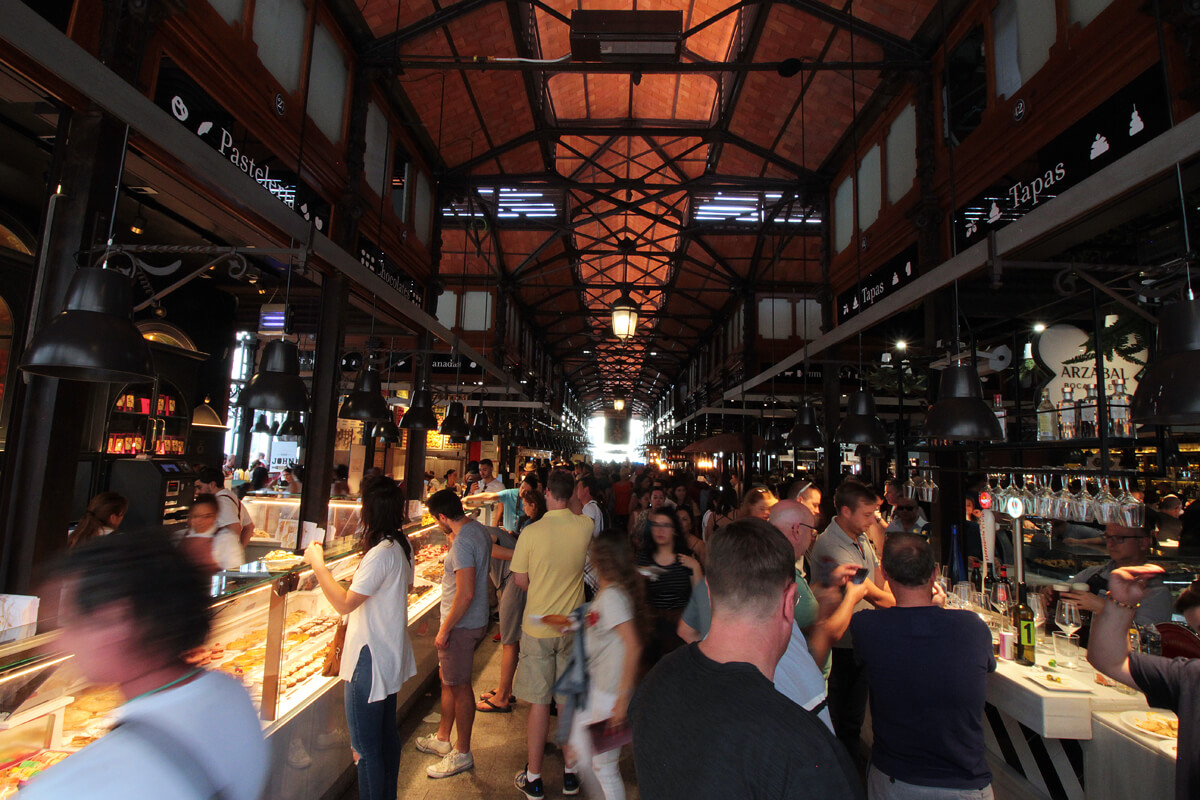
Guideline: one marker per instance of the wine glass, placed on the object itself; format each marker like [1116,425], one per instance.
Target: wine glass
[1133,511]
[1038,606]
[1028,498]
[912,487]
[1107,508]
[1067,616]
[1063,500]
[1000,598]
[1082,503]
[1044,504]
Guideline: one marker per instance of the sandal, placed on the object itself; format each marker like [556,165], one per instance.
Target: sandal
[512,698]
[488,707]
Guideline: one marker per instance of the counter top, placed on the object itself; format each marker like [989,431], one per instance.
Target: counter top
[1051,713]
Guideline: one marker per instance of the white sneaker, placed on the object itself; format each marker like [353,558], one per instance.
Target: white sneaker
[454,763]
[433,745]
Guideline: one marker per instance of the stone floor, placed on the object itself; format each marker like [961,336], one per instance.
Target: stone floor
[498,742]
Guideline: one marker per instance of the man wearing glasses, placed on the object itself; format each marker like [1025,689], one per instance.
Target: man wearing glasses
[907,517]
[1127,547]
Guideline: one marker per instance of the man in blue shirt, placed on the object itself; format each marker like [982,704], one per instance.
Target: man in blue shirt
[928,733]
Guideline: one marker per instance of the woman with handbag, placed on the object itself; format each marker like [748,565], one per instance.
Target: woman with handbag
[377,656]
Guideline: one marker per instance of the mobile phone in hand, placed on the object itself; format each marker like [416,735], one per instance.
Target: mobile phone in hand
[860,575]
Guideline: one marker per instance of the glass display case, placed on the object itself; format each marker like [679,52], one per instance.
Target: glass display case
[277,519]
[270,630]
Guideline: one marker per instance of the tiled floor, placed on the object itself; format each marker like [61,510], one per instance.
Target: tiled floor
[498,742]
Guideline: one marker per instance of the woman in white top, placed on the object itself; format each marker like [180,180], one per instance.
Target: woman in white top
[377,658]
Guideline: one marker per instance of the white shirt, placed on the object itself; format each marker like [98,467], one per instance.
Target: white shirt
[212,717]
[592,511]
[381,622]
[226,547]
[231,512]
[799,679]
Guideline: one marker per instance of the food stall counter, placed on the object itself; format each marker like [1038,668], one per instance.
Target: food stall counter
[1125,760]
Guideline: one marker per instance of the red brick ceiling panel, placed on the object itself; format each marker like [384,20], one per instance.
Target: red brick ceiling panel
[380,15]
[484,32]
[736,161]
[518,244]
[764,106]
[473,253]
[502,100]
[712,43]
[526,158]
[790,33]
[607,96]
[566,91]
[901,17]
[690,154]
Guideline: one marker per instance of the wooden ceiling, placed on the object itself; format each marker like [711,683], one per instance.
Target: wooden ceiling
[626,155]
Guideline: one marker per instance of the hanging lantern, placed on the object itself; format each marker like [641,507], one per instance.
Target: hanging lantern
[805,435]
[861,425]
[624,317]
[420,416]
[277,386]
[292,429]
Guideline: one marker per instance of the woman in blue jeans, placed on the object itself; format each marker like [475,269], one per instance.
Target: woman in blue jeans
[377,658]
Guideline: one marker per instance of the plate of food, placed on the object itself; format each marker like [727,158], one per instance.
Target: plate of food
[558,621]
[1057,682]
[1157,723]
[281,560]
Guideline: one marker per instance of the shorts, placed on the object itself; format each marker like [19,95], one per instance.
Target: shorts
[457,660]
[540,664]
[882,787]
[512,611]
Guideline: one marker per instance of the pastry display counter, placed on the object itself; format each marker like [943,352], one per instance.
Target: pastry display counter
[277,519]
[270,630]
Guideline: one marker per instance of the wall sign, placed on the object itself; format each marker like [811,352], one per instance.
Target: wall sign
[371,256]
[1118,126]
[1059,344]
[897,273]
[193,108]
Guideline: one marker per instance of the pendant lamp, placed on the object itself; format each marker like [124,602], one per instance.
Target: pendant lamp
[455,421]
[389,432]
[805,435]
[457,438]
[365,401]
[261,426]
[961,414]
[774,438]
[1167,394]
[420,416]
[94,338]
[292,429]
[277,386]
[205,416]
[481,431]
[861,425]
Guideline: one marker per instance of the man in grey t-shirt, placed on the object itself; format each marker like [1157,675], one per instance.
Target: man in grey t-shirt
[464,620]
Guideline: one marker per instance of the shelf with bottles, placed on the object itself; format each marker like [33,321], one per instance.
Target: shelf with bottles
[134,401]
[147,418]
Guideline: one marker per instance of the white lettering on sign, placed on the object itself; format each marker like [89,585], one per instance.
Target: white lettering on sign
[262,175]
[1022,193]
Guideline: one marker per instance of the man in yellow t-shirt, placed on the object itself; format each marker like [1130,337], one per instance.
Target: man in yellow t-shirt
[548,564]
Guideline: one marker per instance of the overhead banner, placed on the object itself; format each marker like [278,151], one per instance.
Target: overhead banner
[1117,127]
[894,275]
[372,256]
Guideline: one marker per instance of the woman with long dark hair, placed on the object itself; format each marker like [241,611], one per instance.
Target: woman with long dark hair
[671,571]
[377,657]
[103,516]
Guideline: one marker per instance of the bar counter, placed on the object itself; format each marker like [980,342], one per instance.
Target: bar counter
[1070,743]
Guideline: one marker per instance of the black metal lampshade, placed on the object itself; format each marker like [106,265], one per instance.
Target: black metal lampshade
[458,439]
[261,426]
[277,386]
[455,421]
[205,416]
[861,425]
[365,402]
[94,338]
[420,416]
[773,438]
[1169,391]
[520,437]
[961,413]
[481,429]
[389,432]
[292,429]
[805,435]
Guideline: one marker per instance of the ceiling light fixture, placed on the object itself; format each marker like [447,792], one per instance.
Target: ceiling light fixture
[624,317]
[205,416]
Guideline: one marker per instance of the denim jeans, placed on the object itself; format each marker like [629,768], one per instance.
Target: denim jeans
[373,734]
[881,787]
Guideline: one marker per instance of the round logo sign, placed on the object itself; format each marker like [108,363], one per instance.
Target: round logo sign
[1014,507]
[280,105]
[1019,110]
[985,500]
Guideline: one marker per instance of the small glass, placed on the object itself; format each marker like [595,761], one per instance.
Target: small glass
[1066,649]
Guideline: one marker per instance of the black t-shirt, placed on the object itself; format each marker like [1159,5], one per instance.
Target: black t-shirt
[670,589]
[928,670]
[1174,683]
[702,729]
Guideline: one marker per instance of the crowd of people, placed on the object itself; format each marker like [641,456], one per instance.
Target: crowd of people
[735,634]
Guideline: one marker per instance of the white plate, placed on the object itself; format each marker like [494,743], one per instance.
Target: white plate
[1131,719]
[1056,682]
[281,564]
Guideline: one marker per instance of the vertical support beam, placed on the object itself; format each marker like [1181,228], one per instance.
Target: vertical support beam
[749,367]
[322,422]
[832,387]
[45,437]
[243,438]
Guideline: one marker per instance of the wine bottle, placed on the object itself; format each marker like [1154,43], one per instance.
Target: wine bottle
[1067,413]
[1023,621]
[958,565]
